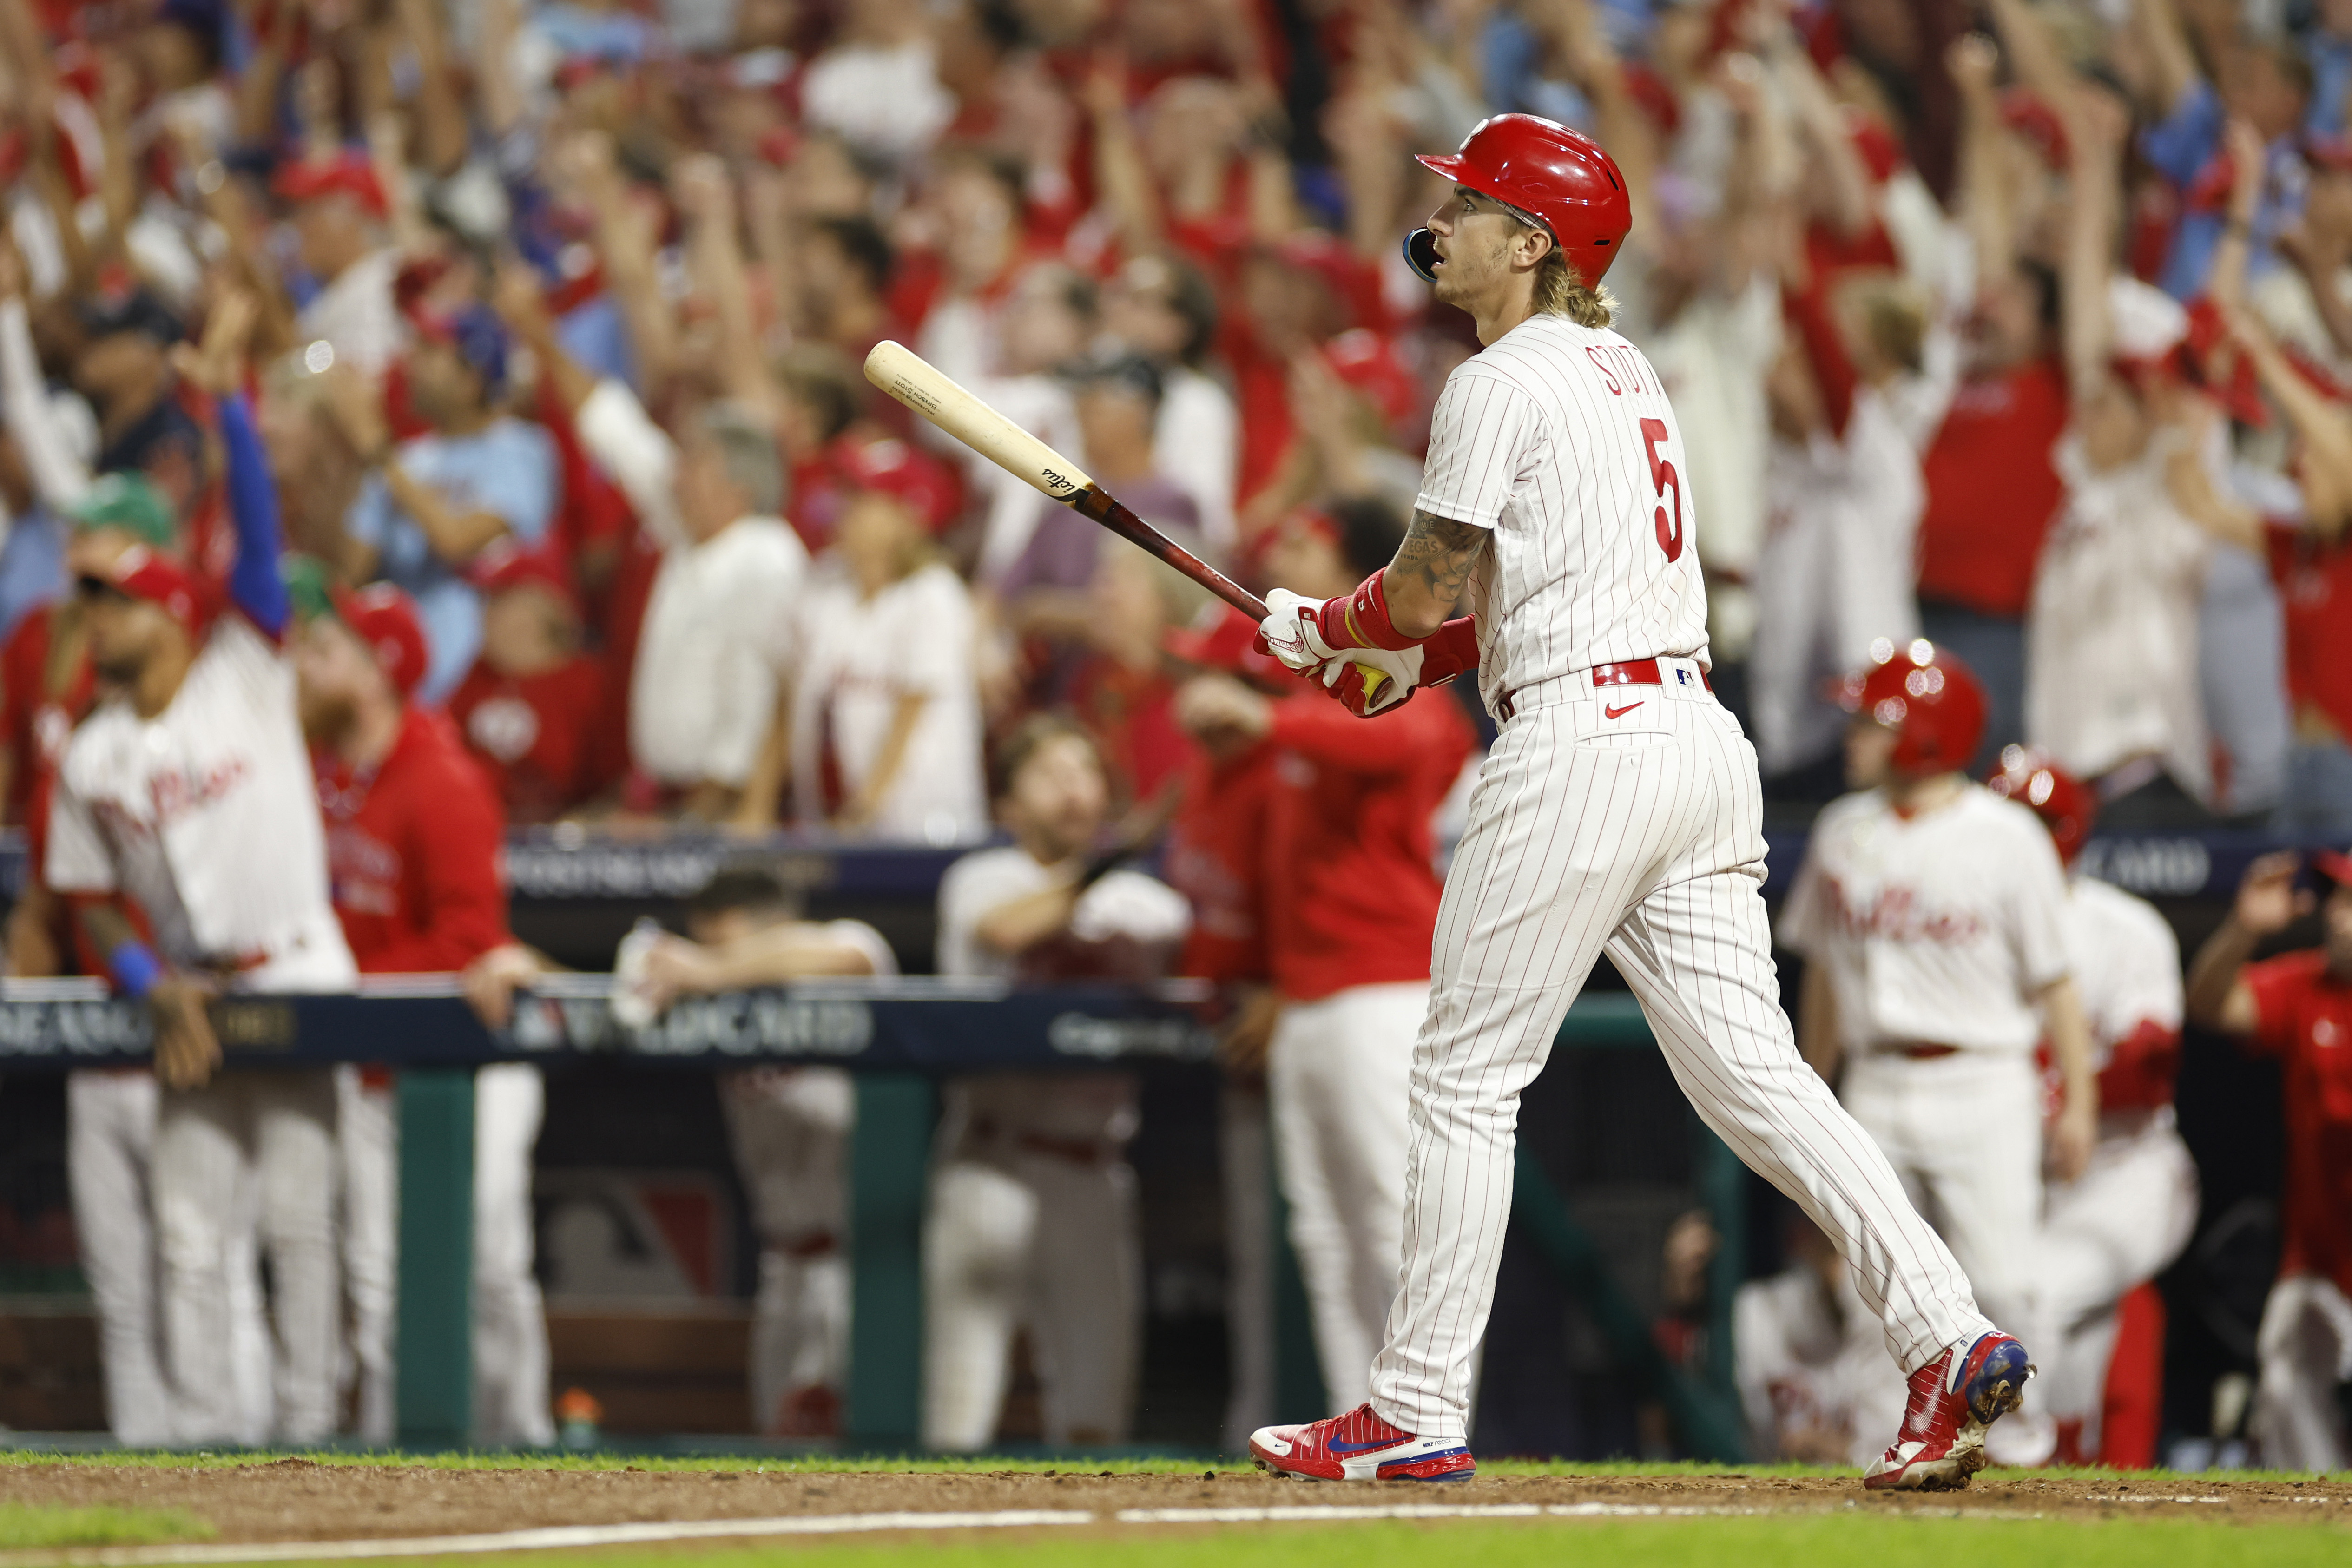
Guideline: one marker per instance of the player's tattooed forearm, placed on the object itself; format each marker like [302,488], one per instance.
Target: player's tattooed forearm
[1440,552]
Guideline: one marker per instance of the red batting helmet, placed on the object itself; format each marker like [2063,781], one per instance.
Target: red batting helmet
[2066,806]
[1560,178]
[1927,697]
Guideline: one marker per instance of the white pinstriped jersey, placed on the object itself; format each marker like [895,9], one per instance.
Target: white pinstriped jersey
[2126,963]
[1937,928]
[1560,441]
[207,815]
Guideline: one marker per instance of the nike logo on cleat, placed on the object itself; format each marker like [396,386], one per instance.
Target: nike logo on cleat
[1356,1448]
[1619,713]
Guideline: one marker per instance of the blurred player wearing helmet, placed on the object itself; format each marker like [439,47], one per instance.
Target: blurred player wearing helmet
[415,838]
[2297,1008]
[1619,811]
[1932,918]
[2111,1230]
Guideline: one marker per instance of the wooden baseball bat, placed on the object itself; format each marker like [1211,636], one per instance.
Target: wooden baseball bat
[915,382]
[922,386]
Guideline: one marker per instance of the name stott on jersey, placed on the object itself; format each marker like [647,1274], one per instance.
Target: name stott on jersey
[1559,438]
[206,816]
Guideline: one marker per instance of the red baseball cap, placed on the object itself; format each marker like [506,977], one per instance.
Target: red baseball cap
[503,566]
[891,468]
[2200,360]
[1367,363]
[2030,115]
[1297,520]
[140,574]
[385,619]
[1227,642]
[346,173]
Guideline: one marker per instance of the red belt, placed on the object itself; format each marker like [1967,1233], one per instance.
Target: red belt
[1630,672]
[1922,1053]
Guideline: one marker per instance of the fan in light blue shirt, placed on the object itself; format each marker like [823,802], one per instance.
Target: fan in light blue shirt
[493,477]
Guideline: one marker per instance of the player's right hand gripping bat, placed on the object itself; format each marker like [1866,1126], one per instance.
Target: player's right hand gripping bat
[922,386]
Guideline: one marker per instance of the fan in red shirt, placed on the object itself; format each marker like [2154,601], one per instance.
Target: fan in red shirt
[413,830]
[1216,856]
[1216,841]
[1994,492]
[1352,904]
[2297,1008]
[534,709]
[413,842]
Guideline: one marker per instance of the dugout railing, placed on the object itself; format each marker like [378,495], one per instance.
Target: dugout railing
[575,892]
[898,1037]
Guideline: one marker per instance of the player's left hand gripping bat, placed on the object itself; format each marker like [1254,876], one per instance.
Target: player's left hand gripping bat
[915,382]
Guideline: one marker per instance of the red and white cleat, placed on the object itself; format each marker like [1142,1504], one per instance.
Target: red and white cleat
[1953,1399]
[1360,1447]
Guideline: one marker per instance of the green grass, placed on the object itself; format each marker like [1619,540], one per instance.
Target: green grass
[1027,1464]
[1814,1542]
[34,1524]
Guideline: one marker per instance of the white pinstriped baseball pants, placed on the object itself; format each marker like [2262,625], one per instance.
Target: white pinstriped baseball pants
[1640,836]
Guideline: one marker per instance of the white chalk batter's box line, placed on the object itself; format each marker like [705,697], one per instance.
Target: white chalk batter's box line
[575,1536]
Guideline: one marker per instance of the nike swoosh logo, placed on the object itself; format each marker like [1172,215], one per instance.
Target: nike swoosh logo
[1619,713]
[1356,1448]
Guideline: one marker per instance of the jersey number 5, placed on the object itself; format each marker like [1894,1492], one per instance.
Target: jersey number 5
[1663,475]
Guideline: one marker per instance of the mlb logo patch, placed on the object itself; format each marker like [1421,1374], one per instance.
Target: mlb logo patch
[1682,678]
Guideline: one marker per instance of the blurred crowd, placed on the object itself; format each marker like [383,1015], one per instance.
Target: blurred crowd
[2023,327]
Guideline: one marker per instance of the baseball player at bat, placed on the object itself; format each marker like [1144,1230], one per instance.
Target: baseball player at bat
[1618,810]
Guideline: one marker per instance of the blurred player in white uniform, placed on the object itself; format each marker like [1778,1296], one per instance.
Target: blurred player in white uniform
[1932,918]
[1032,1219]
[2108,1233]
[111,1111]
[1618,811]
[189,792]
[790,1126]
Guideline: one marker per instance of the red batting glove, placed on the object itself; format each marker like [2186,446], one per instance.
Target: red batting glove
[1453,651]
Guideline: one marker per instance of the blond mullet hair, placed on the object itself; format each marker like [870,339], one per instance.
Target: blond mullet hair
[1561,290]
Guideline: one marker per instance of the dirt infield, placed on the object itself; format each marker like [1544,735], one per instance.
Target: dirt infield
[302,1499]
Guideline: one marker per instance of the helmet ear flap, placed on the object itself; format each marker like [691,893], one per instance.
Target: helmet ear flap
[1421,253]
